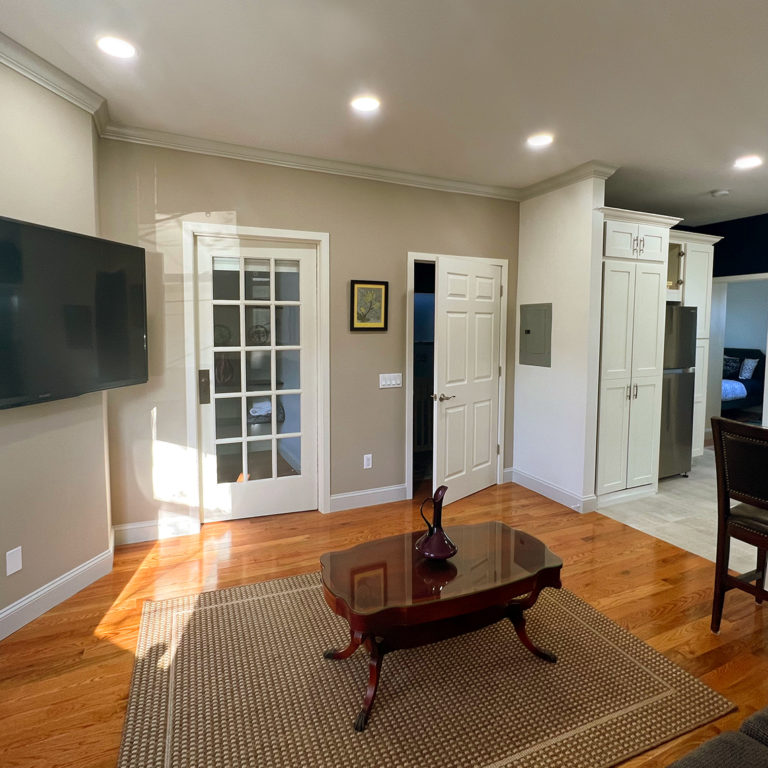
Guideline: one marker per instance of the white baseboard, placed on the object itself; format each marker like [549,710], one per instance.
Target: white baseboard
[385,495]
[617,497]
[509,475]
[551,491]
[35,604]
[152,530]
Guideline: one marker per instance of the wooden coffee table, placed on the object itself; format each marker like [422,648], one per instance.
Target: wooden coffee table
[393,598]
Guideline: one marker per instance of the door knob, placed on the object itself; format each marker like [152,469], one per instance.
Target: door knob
[445,397]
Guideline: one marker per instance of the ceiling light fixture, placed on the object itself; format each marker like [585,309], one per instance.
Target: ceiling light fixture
[539,140]
[365,104]
[720,192]
[114,46]
[748,161]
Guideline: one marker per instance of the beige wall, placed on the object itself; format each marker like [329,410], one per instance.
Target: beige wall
[53,481]
[145,194]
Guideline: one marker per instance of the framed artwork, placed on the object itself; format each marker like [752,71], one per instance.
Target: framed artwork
[369,586]
[369,305]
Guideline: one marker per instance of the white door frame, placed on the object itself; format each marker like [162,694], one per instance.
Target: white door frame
[413,257]
[321,240]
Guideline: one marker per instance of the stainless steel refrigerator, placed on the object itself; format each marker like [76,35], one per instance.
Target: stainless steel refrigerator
[677,391]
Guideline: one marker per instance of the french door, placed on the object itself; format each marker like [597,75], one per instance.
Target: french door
[467,375]
[257,353]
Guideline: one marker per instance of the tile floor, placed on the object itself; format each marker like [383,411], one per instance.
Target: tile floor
[684,513]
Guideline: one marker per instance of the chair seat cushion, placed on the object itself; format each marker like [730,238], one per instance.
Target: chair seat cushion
[729,750]
[752,518]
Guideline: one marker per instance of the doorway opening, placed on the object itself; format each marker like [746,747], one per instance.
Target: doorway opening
[746,331]
[423,377]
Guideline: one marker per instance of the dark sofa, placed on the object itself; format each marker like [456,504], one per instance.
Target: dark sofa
[745,748]
[754,386]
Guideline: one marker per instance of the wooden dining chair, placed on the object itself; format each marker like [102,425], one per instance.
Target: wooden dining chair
[741,459]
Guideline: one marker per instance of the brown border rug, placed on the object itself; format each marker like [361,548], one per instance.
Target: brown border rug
[237,677]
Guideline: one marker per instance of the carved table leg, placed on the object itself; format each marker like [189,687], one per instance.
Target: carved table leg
[355,639]
[374,670]
[518,621]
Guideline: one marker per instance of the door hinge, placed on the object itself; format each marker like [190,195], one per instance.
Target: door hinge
[501,291]
[499,371]
[498,449]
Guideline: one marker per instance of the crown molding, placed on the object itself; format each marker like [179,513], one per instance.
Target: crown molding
[591,170]
[43,73]
[679,236]
[302,162]
[639,217]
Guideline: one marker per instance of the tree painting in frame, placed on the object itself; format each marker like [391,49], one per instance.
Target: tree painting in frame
[369,305]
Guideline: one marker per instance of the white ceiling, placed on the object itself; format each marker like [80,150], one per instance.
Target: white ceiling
[671,91]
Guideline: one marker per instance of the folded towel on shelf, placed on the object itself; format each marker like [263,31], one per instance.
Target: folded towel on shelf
[263,408]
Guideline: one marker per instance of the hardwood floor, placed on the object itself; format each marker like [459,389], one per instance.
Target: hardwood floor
[64,678]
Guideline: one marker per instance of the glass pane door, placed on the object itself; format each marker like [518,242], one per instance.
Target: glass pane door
[256,323]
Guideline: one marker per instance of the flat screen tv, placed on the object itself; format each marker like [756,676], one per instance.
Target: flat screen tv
[73,315]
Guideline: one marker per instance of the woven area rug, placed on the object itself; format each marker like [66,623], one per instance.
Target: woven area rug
[237,677]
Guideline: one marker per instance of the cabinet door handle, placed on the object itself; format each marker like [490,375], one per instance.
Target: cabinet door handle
[629,392]
[635,241]
[635,395]
[642,244]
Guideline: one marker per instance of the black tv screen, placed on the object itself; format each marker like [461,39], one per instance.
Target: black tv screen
[73,314]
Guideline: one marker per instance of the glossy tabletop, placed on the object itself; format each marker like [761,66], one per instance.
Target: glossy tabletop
[390,573]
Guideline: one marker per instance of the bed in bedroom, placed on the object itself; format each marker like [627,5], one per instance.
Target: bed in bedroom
[743,378]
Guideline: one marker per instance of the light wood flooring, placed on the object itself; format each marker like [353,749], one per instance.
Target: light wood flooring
[64,678]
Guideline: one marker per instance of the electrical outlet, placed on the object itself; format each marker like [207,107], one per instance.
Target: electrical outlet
[367,461]
[12,561]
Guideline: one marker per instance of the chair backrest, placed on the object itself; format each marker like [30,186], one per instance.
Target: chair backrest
[741,458]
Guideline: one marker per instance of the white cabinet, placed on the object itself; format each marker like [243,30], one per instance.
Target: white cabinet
[630,374]
[631,240]
[697,284]
[694,254]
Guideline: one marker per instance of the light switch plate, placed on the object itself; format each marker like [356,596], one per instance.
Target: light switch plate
[389,380]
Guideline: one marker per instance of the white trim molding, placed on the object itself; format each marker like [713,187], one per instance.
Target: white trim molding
[36,603]
[567,498]
[387,494]
[321,240]
[741,278]
[639,217]
[591,170]
[29,64]
[302,162]
[153,530]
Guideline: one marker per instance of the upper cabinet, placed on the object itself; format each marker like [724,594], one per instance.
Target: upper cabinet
[635,235]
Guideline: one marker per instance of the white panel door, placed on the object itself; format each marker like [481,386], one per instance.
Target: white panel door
[257,326]
[654,242]
[648,323]
[697,284]
[467,337]
[612,435]
[700,396]
[618,299]
[643,444]
[621,240]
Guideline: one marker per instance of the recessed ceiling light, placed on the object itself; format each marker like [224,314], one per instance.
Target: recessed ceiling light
[538,140]
[365,104]
[748,161]
[114,46]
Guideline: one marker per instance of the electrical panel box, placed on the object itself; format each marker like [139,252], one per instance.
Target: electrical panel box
[536,335]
